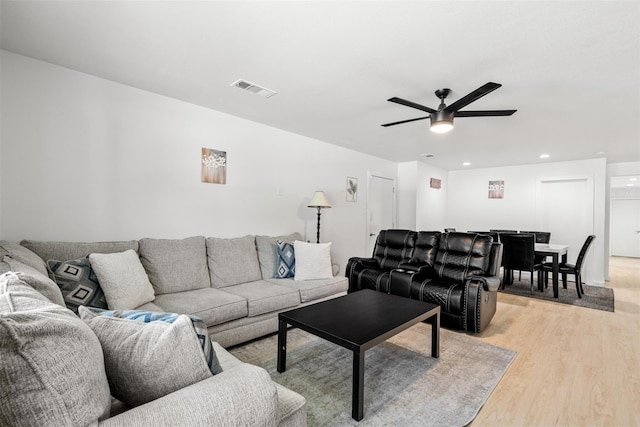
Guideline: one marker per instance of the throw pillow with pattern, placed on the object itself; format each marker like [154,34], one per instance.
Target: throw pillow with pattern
[286,260]
[78,283]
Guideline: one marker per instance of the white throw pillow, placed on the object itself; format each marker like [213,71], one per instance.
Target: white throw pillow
[313,260]
[123,279]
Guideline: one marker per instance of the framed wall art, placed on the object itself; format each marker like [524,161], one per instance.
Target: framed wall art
[352,189]
[496,189]
[214,166]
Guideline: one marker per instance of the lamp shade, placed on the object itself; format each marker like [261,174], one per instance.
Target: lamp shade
[319,200]
[442,121]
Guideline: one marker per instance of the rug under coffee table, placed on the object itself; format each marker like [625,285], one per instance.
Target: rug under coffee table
[359,321]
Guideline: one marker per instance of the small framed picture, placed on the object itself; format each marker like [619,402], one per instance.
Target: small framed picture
[352,189]
[213,166]
[496,189]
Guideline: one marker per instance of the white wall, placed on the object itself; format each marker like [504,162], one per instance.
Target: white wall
[420,206]
[432,205]
[469,207]
[406,195]
[87,159]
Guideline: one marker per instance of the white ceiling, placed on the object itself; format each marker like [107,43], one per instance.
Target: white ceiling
[570,68]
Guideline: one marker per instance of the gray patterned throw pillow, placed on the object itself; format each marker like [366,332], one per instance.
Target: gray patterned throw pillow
[286,260]
[78,283]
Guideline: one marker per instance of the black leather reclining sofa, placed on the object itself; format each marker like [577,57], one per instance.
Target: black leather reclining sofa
[458,271]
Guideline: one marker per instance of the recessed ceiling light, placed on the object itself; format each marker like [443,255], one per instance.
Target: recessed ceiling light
[466,164]
[629,185]
[600,153]
[544,156]
[427,155]
[633,179]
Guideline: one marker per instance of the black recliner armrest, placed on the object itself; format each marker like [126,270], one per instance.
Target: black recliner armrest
[414,267]
[365,262]
[490,283]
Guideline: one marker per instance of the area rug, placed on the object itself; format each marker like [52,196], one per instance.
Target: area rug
[595,297]
[404,385]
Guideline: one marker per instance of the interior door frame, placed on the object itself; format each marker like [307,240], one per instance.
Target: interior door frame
[588,201]
[588,205]
[611,202]
[394,216]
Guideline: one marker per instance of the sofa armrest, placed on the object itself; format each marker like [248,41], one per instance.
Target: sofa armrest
[243,395]
[489,283]
[365,262]
[414,267]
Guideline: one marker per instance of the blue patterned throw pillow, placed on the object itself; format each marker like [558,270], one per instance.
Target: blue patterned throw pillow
[286,260]
[152,316]
[78,283]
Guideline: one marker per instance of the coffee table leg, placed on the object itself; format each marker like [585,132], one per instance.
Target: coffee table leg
[282,346]
[357,400]
[435,335]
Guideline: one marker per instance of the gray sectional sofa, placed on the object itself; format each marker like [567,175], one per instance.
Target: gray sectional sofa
[228,283]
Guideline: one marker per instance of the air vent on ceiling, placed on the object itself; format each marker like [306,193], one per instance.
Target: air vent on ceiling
[262,91]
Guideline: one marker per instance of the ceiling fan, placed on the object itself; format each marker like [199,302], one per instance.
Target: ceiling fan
[442,118]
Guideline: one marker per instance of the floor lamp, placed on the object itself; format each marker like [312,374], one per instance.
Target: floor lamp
[319,201]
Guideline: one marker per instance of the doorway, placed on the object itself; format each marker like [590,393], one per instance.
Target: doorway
[625,227]
[565,208]
[381,207]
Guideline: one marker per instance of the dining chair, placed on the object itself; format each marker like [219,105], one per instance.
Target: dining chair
[575,269]
[519,254]
[541,237]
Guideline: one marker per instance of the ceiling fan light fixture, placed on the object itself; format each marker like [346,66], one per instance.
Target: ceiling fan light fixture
[441,121]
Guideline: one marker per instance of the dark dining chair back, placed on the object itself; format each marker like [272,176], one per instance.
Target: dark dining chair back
[488,233]
[583,252]
[575,270]
[518,254]
[541,236]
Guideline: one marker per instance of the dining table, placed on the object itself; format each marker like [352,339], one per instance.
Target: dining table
[555,251]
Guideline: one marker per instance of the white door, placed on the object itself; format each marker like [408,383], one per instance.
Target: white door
[381,208]
[625,227]
[565,208]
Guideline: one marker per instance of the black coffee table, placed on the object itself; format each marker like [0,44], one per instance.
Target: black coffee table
[357,322]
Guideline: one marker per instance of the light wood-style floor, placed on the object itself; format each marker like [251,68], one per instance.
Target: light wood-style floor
[575,366]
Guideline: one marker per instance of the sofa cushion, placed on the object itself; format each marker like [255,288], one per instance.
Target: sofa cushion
[286,260]
[394,247]
[232,261]
[144,316]
[73,250]
[145,361]
[23,255]
[268,254]
[313,261]
[36,280]
[52,368]
[123,280]
[265,297]
[175,265]
[462,255]
[311,290]
[78,283]
[213,306]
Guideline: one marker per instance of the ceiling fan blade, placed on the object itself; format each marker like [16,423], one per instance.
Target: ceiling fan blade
[411,104]
[476,94]
[404,121]
[486,113]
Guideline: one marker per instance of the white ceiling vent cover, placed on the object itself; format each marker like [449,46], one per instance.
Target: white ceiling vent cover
[251,87]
